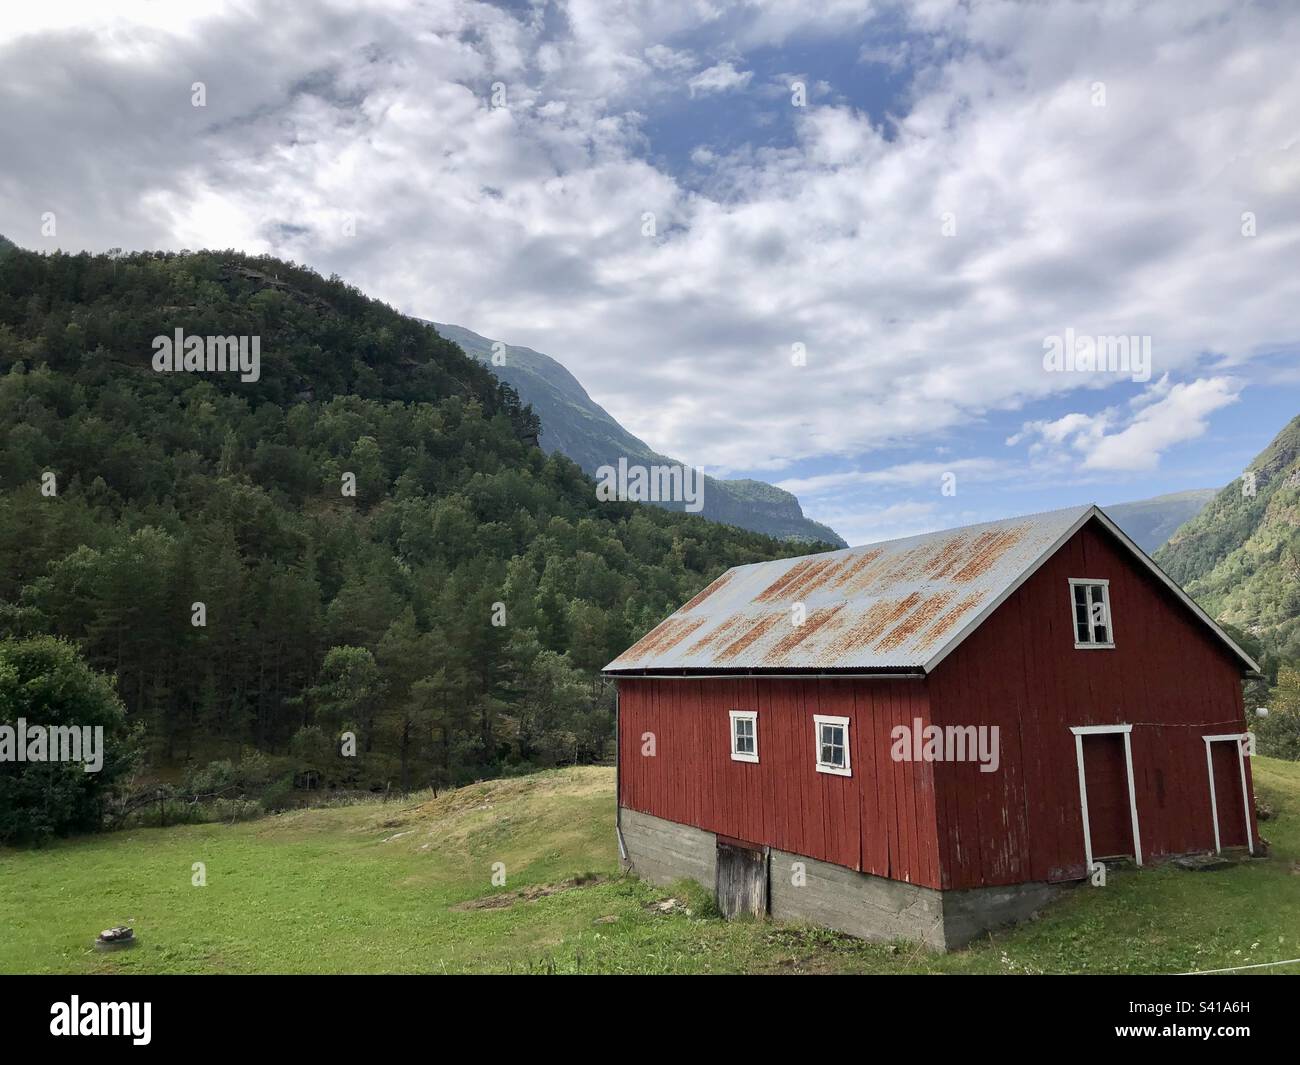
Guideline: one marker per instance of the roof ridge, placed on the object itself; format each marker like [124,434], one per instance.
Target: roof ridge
[900,605]
[1078,508]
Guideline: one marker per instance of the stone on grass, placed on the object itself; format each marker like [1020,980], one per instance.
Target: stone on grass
[116,938]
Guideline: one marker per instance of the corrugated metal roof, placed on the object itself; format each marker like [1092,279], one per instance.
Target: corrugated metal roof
[897,606]
[888,606]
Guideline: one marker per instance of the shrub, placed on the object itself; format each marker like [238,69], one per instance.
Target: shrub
[278,794]
[45,682]
[1278,734]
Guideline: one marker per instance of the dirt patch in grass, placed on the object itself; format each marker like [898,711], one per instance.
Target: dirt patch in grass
[530,894]
[804,949]
[667,906]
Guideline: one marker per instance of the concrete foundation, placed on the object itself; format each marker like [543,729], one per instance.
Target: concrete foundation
[663,851]
[805,890]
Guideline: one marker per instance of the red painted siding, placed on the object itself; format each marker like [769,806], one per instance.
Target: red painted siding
[1227,788]
[1167,676]
[880,820]
[1110,815]
[949,824]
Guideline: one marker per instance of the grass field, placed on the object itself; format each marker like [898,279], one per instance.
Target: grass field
[401,887]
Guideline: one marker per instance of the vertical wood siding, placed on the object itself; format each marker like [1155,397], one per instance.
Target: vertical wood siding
[1168,676]
[880,820]
[950,825]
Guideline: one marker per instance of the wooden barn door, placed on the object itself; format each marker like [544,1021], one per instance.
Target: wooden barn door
[742,879]
[1106,773]
[1228,803]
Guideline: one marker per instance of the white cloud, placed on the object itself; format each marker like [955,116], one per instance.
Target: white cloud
[662,57]
[525,222]
[917,475]
[720,78]
[1167,414]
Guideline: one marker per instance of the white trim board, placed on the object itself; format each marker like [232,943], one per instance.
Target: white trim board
[742,715]
[1238,737]
[1099,730]
[1085,583]
[846,770]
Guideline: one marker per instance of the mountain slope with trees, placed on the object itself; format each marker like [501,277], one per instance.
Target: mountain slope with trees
[191,533]
[1240,557]
[1151,522]
[574,424]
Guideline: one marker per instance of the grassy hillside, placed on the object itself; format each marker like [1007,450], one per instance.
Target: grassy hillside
[406,887]
[575,425]
[1240,557]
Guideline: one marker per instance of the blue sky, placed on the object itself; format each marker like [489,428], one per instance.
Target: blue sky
[964,181]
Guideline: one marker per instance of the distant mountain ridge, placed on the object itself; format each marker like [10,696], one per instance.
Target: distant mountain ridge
[1240,557]
[1149,523]
[577,426]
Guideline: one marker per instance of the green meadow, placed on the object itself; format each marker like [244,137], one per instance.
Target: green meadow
[407,887]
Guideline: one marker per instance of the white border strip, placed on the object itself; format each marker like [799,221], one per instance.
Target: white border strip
[1238,738]
[846,770]
[1097,730]
[743,715]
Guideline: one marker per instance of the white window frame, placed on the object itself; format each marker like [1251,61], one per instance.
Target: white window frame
[1239,738]
[752,717]
[845,770]
[1100,730]
[1092,645]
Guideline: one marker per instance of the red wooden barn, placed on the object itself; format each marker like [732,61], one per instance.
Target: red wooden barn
[921,738]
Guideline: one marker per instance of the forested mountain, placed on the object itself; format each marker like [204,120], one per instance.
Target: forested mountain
[575,425]
[1240,557]
[194,535]
[1150,522]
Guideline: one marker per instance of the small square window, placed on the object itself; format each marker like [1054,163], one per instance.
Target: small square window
[832,745]
[744,735]
[1090,607]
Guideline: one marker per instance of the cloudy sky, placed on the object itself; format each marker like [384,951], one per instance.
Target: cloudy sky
[826,245]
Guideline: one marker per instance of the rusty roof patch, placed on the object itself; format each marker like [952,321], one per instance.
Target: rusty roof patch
[905,567]
[812,624]
[893,606]
[917,618]
[830,574]
[704,593]
[752,635]
[879,617]
[776,590]
[986,550]
[663,637]
[943,560]
[947,620]
[857,574]
[722,633]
